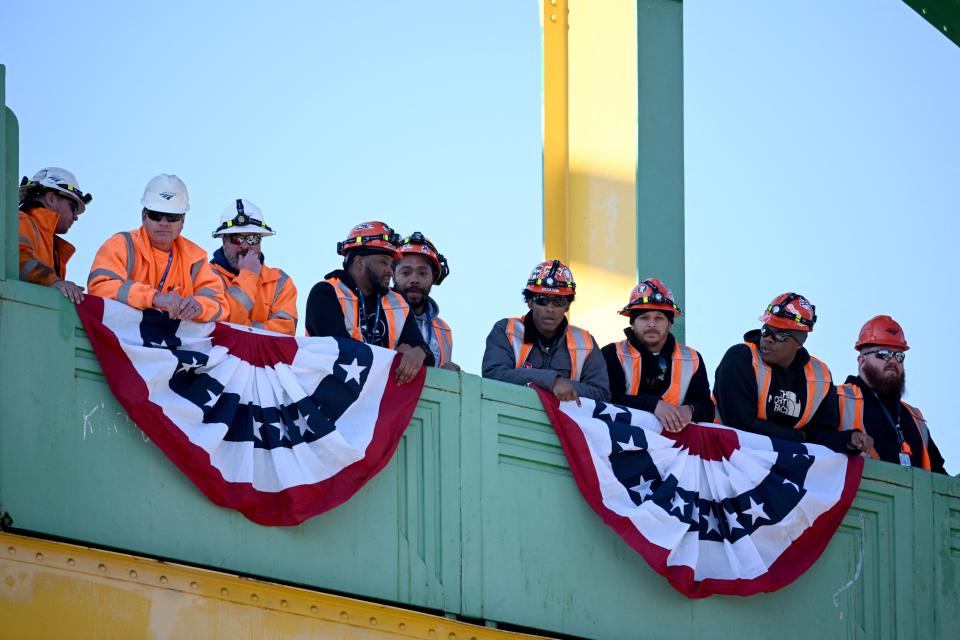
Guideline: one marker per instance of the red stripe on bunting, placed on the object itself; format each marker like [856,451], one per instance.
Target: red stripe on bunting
[718,445]
[288,507]
[255,348]
[794,561]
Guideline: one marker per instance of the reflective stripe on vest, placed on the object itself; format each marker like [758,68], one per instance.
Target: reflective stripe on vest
[684,359]
[579,345]
[818,385]
[394,306]
[441,331]
[850,399]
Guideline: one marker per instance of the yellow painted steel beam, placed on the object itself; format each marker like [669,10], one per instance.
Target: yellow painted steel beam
[590,153]
[56,590]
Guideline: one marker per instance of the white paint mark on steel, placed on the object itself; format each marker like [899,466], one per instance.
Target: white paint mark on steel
[856,573]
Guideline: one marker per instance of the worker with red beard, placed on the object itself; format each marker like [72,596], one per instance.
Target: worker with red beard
[872,402]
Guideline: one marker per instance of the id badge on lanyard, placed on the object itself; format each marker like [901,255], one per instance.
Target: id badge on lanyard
[905,459]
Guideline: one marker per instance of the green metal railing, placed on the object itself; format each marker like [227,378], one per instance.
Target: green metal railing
[477,515]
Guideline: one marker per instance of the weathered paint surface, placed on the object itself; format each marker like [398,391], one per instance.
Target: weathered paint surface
[56,590]
[477,515]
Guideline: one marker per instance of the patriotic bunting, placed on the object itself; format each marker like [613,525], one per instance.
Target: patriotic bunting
[712,509]
[276,427]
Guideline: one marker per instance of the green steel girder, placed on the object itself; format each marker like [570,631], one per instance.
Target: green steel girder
[944,15]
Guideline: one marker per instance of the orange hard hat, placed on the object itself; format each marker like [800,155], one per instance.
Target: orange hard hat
[790,311]
[651,295]
[371,235]
[882,331]
[417,244]
[551,277]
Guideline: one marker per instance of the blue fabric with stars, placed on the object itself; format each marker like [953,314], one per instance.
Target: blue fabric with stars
[728,519]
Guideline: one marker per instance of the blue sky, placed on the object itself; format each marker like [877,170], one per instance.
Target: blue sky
[820,149]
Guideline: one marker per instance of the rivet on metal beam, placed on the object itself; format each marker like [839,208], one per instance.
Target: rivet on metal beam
[373,622]
[431,632]
[553,3]
[284,604]
[102,568]
[402,626]
[10,581]
[132,574]
[923,11]
[344,615]
[224,592]
[12,551]
[163,580]
[553,17]
[39,556]
[194,586]
[314,609]
[452,636]
[254,597]
[945,28]
[71,562]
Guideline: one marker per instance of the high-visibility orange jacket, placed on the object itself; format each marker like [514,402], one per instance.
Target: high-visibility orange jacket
[395,309]
[129,269]
[685,362]
[43,254]
[266,301]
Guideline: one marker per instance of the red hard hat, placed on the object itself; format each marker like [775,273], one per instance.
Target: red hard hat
[551,277]
[652,295]
[790,311]
[371,235]
[417,244]
[882,331]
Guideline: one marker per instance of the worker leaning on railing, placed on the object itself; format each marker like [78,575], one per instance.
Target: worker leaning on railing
[650,370]
[154,266]
[50,203]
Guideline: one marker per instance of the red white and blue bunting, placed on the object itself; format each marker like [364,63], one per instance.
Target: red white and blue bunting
[712,509]
[276,427]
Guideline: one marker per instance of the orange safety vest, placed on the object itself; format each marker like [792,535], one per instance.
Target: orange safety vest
[818,385]
[444,337]
[268,302]
[394,306]
[686,361]
[41,250]
[850,399]
[579,345]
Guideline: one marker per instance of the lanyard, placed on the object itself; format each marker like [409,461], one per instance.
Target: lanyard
[166,271]
[904,447]
[365,329]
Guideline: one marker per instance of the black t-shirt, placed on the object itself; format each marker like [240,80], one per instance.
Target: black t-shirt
[325,317]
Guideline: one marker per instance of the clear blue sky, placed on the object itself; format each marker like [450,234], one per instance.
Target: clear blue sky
[821,149]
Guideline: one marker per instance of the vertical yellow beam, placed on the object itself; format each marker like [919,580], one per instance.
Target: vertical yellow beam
[590,153]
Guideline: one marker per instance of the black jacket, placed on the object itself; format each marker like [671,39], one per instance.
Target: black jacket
[735,389]
[325,317]
[878,427]
[652,384]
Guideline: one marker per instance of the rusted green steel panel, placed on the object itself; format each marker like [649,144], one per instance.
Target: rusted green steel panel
[477,515]
[944,15]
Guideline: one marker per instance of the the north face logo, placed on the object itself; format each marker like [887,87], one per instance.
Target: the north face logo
[166,195]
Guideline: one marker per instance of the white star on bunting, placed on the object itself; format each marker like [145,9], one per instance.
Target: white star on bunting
[713,523]
[643,489]
[756,511]
[188,367]
[353,370]
[732,521]
[628,445]
[611,410]
[678,503]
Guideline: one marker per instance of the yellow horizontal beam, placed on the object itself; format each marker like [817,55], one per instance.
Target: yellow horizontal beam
[57,590]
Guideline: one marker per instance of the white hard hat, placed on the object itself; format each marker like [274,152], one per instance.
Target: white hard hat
[242,217]
[56,179]
[166,194]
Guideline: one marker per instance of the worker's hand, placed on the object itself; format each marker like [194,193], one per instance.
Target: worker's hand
[671,417]
[860,441]
[451,366]
[410,364]
[169,302]
[189,308]
[72,292]
[565,391]
[250,261]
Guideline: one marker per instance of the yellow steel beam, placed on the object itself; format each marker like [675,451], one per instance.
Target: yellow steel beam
[590,153]
[56,590]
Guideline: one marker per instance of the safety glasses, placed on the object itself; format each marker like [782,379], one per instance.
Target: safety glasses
[773,334]
[157,216]
[886,354]
[74,205]
[556,301]
[250,238]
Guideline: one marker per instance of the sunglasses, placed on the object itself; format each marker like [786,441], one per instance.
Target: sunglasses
[250,238]
[157,216]
[556,301]
[74,205]
[886,354]
[776,336]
